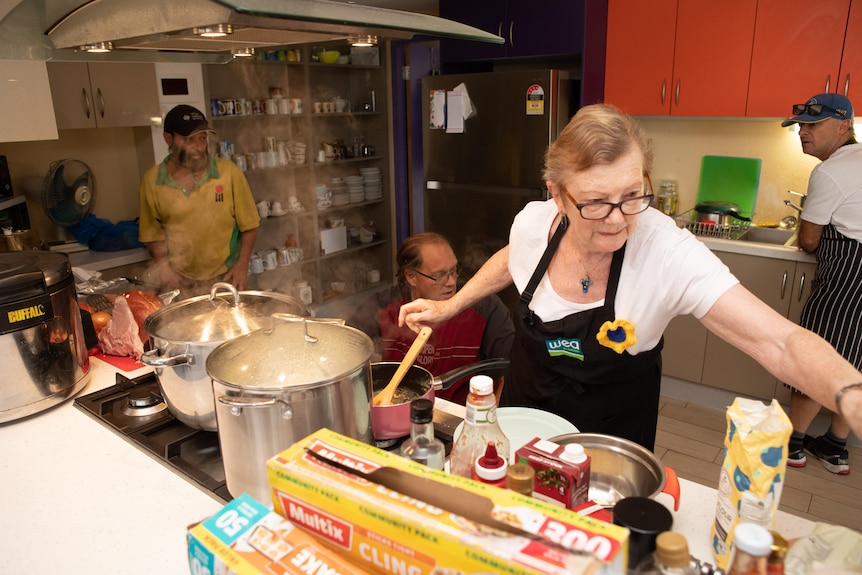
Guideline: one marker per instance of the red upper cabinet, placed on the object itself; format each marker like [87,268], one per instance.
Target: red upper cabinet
[639,55]
[797,51]
[850,78]
[685,58]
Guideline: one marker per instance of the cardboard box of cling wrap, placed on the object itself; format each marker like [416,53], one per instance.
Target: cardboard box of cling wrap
[392,515]
[246,538]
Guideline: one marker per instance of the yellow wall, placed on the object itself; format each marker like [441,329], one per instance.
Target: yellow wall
[681,143]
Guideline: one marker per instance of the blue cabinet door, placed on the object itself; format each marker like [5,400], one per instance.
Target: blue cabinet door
[530,28]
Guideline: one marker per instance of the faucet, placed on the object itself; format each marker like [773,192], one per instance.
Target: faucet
[792,205]
[801,201]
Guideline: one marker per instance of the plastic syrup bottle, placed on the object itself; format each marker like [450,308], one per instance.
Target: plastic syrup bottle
[491,468]
[422,446]
[480,427]
[670,557]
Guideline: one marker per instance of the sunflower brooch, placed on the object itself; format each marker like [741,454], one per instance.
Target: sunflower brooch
[619,335]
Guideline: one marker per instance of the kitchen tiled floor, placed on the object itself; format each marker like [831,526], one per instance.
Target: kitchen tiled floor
[690,440]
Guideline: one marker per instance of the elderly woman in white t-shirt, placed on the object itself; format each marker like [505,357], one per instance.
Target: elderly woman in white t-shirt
[601,275]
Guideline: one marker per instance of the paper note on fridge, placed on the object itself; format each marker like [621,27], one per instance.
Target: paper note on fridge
[437,121]
[454,113]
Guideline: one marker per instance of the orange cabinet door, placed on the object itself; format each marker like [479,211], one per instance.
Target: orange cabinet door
[797,50]
[639,55]
[712,57]
[850,77]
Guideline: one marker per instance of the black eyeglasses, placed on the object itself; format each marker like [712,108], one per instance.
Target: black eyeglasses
[816,109]
[442,277]
[601,210]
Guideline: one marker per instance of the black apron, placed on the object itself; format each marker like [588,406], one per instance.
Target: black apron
[834,308]
[592,386]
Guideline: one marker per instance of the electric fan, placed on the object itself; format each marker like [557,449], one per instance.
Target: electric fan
[68,193]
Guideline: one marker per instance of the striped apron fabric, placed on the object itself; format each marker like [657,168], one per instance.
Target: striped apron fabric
[834,309]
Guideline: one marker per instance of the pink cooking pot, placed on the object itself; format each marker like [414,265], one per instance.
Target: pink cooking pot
[393,421]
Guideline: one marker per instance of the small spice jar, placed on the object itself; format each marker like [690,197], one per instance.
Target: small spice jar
[752,545]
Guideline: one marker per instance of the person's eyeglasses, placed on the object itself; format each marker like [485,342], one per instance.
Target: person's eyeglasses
[438,279]
[816,109]
[601,210]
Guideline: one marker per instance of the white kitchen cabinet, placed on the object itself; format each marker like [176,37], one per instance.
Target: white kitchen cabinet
[26,100]
[693,353]
[365,116]
[104,94]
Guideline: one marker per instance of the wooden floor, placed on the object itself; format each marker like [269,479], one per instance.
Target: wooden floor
[690,440]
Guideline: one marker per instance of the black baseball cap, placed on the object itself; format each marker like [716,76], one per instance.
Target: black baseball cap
[185,120]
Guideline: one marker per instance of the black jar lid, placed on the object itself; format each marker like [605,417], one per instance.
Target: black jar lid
[645,518]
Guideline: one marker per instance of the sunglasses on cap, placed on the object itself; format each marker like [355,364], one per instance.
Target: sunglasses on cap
[816,110]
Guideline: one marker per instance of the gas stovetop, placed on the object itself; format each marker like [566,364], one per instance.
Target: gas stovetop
[135,409]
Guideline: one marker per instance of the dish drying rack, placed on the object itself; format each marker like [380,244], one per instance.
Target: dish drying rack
[711,229]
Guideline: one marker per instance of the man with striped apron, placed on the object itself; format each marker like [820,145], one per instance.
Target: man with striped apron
[831,228]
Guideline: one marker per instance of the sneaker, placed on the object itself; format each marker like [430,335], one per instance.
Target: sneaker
[833,462]
[796,457]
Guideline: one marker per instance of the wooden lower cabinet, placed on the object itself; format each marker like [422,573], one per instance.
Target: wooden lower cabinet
[694,354]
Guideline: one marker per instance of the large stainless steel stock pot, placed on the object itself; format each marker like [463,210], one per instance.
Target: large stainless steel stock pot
[184,333]
[275,386]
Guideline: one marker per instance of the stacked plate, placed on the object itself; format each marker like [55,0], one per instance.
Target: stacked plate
[373,184]
[340,196]
[355,188]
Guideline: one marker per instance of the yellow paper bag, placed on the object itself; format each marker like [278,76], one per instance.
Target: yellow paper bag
[752,473]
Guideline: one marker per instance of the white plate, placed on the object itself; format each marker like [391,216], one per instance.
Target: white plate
[521,424]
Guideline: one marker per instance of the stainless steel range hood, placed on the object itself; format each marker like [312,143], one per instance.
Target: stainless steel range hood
[166,25]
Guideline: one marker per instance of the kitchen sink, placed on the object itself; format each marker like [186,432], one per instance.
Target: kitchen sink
[776,236]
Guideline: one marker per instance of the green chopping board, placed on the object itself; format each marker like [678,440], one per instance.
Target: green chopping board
[728,179]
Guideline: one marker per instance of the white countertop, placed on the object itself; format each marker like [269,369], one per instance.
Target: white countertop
[78,499]
[757,249]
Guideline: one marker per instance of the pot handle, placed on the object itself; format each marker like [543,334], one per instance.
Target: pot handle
[153,359]
[305,320]
[445,380]
[228,287]
[737,216]
[671,486]
[237,404]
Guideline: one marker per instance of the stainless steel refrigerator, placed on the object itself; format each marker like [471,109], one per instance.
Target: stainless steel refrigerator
[478,178]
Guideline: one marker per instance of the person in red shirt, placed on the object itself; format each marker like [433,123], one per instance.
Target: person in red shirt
[428,268]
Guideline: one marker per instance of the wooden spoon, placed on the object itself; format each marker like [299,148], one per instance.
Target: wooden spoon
[385,396]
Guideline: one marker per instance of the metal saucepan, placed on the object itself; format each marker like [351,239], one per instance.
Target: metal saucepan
[275,386]
[184,333]
[621,468]
[393,421]
[719,213]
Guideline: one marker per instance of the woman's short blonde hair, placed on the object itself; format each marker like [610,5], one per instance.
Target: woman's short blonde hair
[596,134]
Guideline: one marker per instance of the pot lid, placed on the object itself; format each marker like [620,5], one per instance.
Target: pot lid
[295,353]
[714,207]
[219,316]
[54,268]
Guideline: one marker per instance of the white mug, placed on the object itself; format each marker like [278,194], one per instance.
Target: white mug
[271,106]
[373,276]
[295,105]
[270,259]
[283,106]
[256,264]
[263,208]
[277,208]
[241,163]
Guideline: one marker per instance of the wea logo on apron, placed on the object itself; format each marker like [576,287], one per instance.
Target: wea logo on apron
[570,347]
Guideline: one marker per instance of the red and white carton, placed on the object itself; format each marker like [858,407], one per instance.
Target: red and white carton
[560,478]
